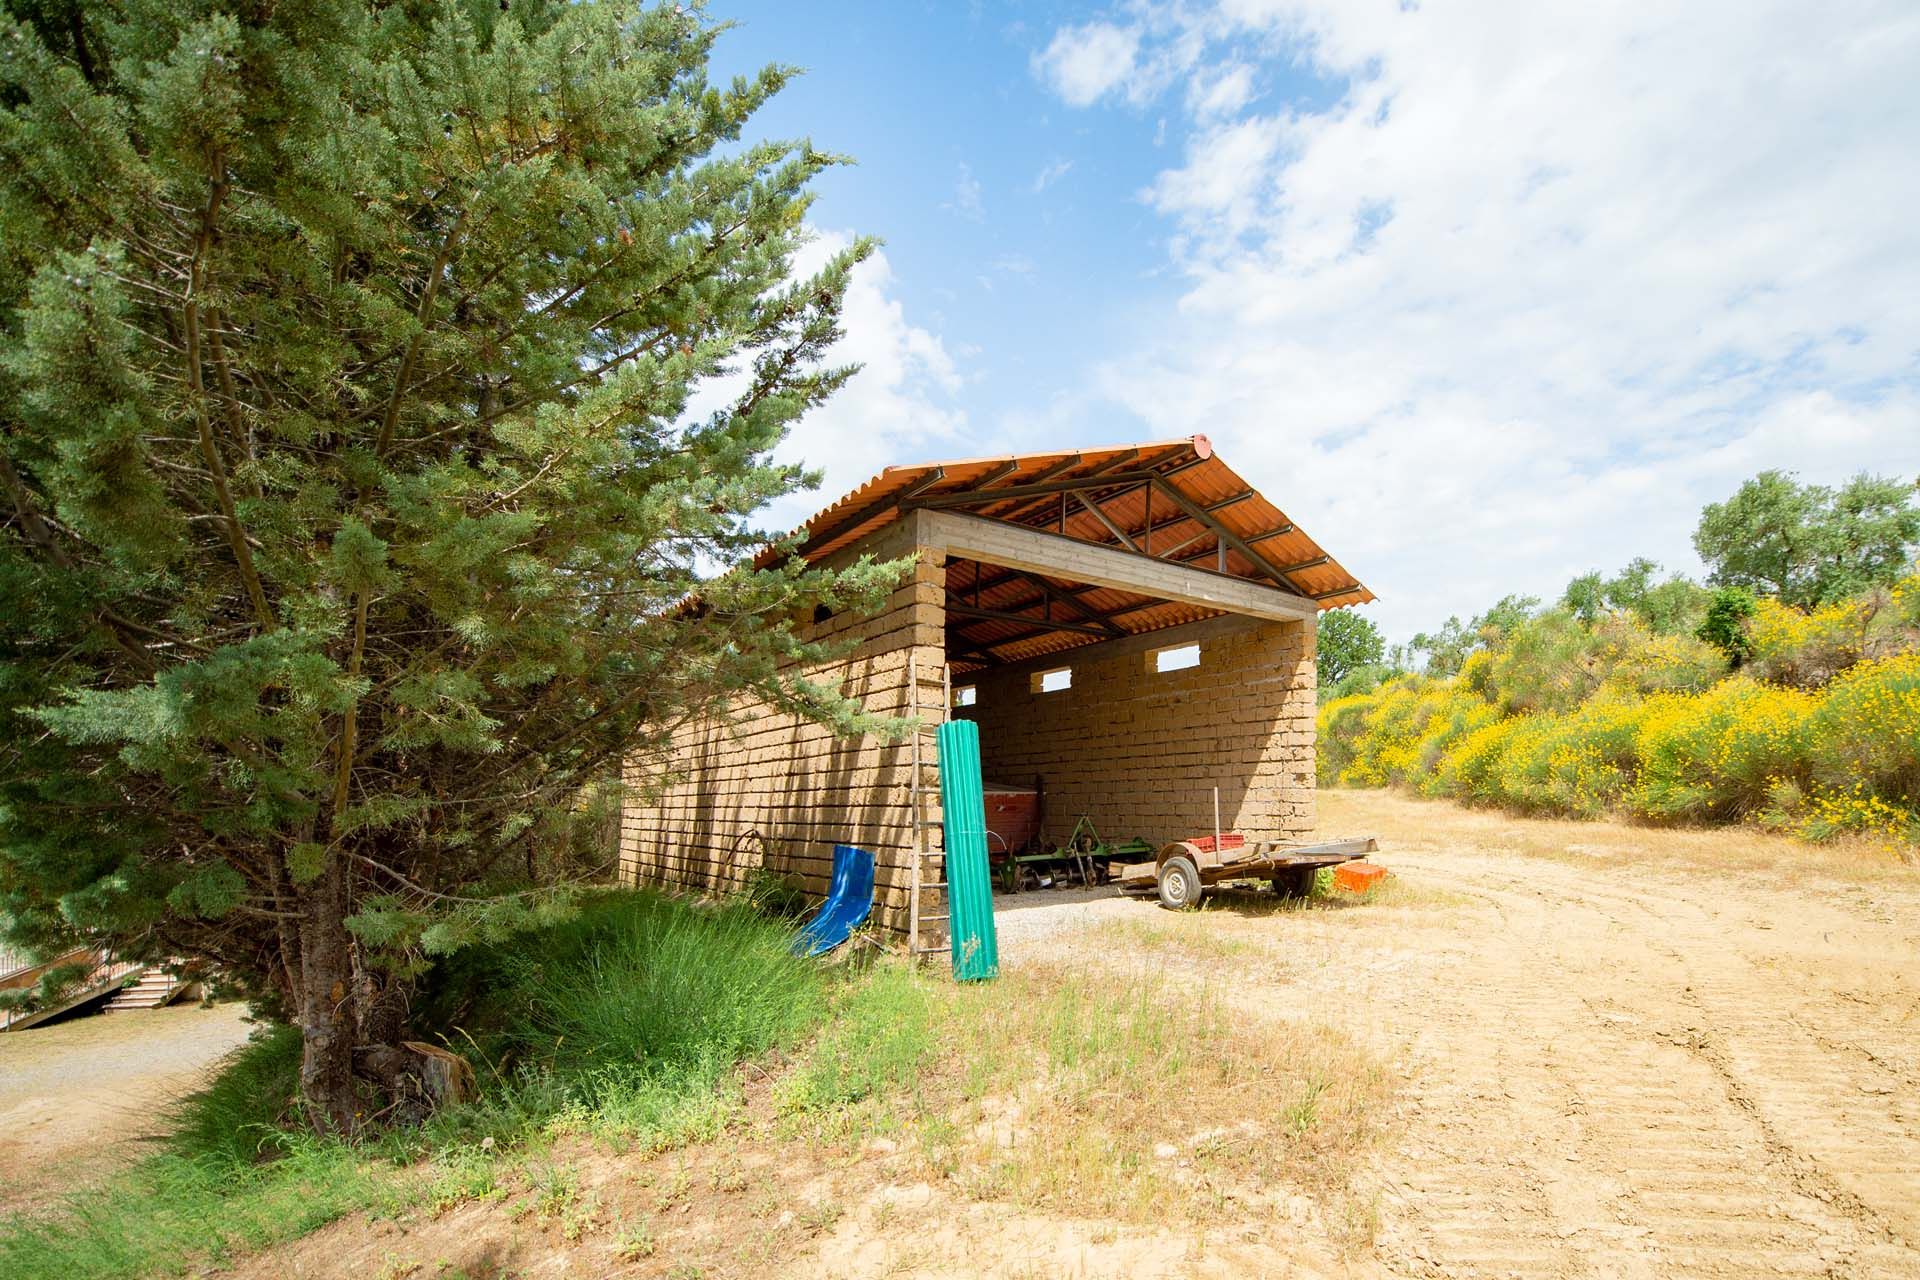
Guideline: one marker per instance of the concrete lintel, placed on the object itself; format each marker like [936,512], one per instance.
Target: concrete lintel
[1055,556]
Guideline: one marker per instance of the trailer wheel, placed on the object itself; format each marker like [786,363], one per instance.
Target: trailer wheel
[1295,882]
[1180,887]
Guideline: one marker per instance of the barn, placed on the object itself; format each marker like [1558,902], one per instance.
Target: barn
[1131,627]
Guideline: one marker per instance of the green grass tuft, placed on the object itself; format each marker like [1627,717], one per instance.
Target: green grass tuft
[624,1021]
[881,1039]
[241,1116]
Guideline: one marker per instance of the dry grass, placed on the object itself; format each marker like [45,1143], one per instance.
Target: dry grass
[1071,1089]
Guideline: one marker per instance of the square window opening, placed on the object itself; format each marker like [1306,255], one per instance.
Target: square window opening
[966,695]
[1177,658]
[1052,681]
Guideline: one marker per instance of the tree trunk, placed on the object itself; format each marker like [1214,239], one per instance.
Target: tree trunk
[328,1026]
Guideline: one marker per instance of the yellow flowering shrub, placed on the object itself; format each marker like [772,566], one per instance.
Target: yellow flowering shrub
[1662,664]
[1662,731]
[1858,811]
[1809,649]
[1555,662]
[1580,764]
[1338,728]
[1712,755]
[1471,770]
[1396,733]
[1904,597]
[1450,721]
[1864,741]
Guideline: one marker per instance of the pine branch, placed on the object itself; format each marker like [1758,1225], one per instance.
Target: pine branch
[209,451]
[422,313]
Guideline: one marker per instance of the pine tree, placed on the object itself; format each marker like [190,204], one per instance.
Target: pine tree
[353,506]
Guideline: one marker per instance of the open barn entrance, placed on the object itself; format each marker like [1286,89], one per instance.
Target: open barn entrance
[1131,627]
[1140,669]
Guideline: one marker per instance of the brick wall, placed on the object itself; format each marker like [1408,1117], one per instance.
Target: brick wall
[1141,750]
[763,788]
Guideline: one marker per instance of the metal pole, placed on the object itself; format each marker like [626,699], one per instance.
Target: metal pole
[1216,821]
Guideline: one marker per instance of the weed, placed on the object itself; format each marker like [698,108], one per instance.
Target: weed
[395,1267]
[1301,1114]
[882,1038]
[820,1217]
[463,1172]
[634,1243]
[556,1188]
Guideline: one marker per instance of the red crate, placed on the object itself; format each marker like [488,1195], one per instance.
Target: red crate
[1228,840]
[1011,813]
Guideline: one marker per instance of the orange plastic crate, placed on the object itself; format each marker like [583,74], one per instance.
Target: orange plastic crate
[1358,877]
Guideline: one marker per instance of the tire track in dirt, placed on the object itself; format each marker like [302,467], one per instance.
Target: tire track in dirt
[1607,1083]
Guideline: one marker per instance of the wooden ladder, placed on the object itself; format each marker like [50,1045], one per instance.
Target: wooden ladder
[927,886]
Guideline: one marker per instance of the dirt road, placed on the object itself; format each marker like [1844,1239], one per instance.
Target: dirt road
[1617,1052]
[77,1095]
[1624,1051]
[1626,1057]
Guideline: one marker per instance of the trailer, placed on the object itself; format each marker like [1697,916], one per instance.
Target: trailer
[1185,870]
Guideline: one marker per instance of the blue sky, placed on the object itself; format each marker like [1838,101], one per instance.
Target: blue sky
[1012,222]
[1484,295]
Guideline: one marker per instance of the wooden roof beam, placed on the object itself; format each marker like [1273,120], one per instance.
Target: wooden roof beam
[1144,534]
[999,473]
[1050,555]
[1041,489]
[1048,624]
[1228,538]
[1070,596]
[1100,514]
[1099,469]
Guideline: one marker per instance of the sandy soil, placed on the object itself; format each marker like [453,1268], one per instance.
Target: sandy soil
[1642,1053]
[77,1096]
[1619,1052]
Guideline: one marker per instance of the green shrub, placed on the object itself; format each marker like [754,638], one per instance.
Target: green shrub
[1725,626]
[647,983]
[625,1020]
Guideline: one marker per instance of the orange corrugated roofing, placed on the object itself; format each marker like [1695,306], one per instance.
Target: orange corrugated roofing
[1150,517]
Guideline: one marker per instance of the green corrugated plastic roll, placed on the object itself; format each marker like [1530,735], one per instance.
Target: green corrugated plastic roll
[969,883]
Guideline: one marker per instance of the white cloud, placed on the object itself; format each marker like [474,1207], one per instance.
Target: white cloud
[966,196]
[900,407]
[1083,64]
[1221,91]
[1542,281]
[1050,174]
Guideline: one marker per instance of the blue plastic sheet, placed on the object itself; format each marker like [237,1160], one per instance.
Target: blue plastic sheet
[849,901]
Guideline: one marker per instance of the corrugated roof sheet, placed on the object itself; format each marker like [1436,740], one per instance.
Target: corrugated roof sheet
[1261,542]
